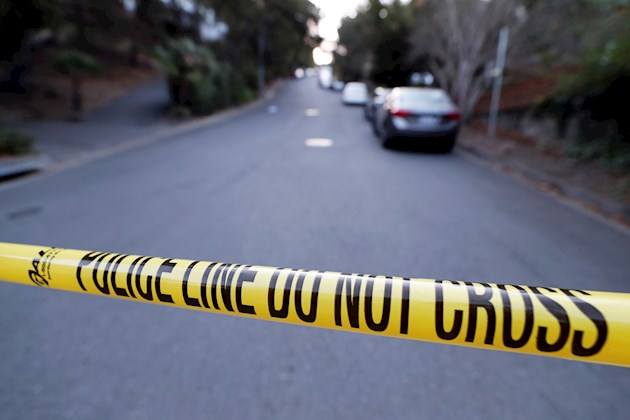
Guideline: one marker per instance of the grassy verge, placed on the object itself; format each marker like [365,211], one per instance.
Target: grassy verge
[15,143]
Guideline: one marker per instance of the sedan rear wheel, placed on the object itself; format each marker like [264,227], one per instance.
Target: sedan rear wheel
[385,137]
[448,144]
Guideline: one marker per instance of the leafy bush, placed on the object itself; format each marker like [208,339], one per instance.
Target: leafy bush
[15,143]
[76,63]
[607,151]
[239,91]
[204,96]
[197,80]
[603,75]
[178,111]
[594,98]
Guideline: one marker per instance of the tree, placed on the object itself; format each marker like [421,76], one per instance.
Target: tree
[77,65]
[19,19]
[588,99]
[287,35]
[354,56]
[460,37]
[198,83]
[559,32]
[375,43]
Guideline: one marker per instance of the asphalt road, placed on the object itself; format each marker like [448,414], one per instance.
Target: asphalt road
[249,190]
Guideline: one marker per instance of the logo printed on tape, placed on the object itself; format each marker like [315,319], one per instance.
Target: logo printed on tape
[40,272]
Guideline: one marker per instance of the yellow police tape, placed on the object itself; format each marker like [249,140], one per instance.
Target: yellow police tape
[567,323]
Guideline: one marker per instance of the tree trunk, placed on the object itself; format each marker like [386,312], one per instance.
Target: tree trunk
[77,98]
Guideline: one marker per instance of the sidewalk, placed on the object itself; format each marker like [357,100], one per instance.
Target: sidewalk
[131,120]
[583,184]
[138,113]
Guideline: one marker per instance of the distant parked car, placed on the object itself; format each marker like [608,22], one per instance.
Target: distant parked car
[337,85]
[355,93]
[416,114]
[325,77]
[375,101]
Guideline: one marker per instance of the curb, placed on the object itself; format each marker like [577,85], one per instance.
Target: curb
[610,209]
[14,166]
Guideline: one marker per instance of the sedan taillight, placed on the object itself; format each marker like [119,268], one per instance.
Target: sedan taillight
[399,112]
[453,116]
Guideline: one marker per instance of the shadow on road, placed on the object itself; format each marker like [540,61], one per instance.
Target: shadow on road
[427,147]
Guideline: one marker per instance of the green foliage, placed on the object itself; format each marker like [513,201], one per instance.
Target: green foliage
[197,81]
[219,89]
[609,152]
[600,67]
[15,142]
[97,26]
[286,29]
[202,76]
[559,31]
[599,87]
[282,23]
[355,38]
[594,98]
[18,18]
[154,14]
[178,111]
[376,43]
[76,63]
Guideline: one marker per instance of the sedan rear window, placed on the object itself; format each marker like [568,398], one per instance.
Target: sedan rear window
[432,97]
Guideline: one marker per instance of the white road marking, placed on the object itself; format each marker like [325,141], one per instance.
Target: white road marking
[318,142]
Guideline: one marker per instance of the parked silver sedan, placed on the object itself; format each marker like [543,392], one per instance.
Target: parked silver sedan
[414,114]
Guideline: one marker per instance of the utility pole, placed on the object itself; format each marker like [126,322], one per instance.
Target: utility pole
[497,81]
[261,47]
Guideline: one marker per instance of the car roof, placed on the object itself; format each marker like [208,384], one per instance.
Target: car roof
[354,85]
[404,91]
[382,90]
[423,99]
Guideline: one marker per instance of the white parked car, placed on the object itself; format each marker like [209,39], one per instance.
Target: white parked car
[337,85]
[355,93]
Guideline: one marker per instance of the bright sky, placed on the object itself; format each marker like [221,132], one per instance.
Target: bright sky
[332,11]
